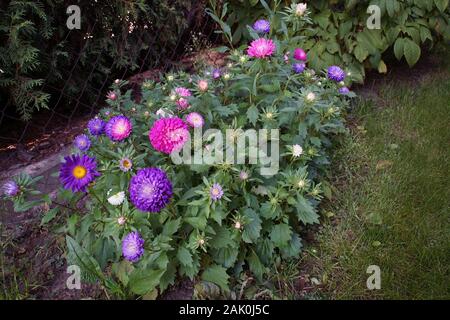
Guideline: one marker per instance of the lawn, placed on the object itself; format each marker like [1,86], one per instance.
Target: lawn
[391,205]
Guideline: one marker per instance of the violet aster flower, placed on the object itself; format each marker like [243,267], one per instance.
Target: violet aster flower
[195,120]
[216,192]
[133,246]
[216,73]
[77,172]
[10,188]
[150,190]
[261,48]
[298,67]
[82,142]
[344,91]
[96,126]
[300,54]
[118,128]
[335,73]
[169,135]
[262,26]
[125,164]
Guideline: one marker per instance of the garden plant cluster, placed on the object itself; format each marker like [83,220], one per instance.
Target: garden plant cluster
[136,221]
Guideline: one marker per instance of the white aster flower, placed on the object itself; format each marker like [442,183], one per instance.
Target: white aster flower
[117,198]
[297,150]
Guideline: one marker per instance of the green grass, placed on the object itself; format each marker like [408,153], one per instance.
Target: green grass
[392,202]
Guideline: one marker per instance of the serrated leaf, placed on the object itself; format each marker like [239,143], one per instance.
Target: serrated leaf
[142,281]
[218,275]
[252,227]
[255,265]
[171,227]
[49,216]
[184,256]
[306,212]
[221,239]
[252,114]
[280,234]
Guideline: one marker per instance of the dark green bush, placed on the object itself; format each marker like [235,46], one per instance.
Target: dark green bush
[340,35]
[39,56]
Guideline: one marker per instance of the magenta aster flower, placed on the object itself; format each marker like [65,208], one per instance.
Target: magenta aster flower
[118,128]
[261,48]
[262,26]
[125,164]
[150,190]
[216,192]
[10,189]
[169,134]
[298,67]
[300,54]
[133,246]
[335,73]
[82,142]
[195,120]
[96,126]
[77,172]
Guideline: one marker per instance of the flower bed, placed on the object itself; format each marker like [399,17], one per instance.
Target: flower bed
[259,130]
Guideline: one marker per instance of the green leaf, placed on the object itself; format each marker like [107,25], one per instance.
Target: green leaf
[252,227]
[142,281]
[90,269]
[221,239]
[218,275]
[184,256]
[171,227]
[412,52]
[399,48]
[382,68]
[280,234]
[50,214]
[441,4]
[306,212]
[252,114]
[256,266]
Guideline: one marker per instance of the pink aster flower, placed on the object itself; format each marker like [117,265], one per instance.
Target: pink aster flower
[182,93]
[195,120]
[261,48]
[169,135]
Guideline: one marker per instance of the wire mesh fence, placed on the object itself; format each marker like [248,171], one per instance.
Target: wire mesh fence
[50,130]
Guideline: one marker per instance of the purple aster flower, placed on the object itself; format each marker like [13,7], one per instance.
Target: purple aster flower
[133,246]
[10,188]
[125,164]
[82,142]
[216,192]
[298,67]
[118,128]
[150,190]
[335,73]
[77,172]
[344,91]
[216,73]
[262,26]
[96,126]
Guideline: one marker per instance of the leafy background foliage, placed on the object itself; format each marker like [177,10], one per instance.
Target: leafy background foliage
[340,35]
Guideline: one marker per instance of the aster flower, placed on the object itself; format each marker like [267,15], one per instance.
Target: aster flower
[118,128]
[117,199]
[169,134]
[133,247]
[300,9]
[111,95]
[150,190]
[10,189]
[261,48]
[298,67]
[125,164]
[121,220]
[82,142]
[336,73]
[300,54]
[243,175]
[297,150]
[182,93]
[96,126]
[310,97]
[216,73]
[195,120]
[344,90]
[202,85]
[262,26]
[216,192]
[77,172]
